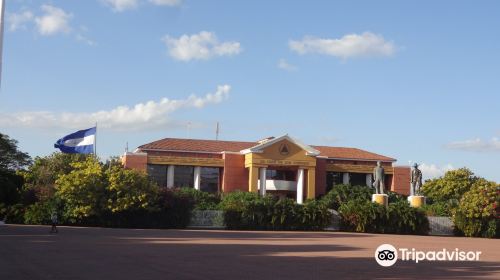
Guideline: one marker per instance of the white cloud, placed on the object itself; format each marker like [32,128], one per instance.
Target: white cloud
[203,45]
[82,38]
[283,64]
[166,2]
[476,145]
[121,5]
[19,20]
[349,46]
[431,171]
[54,20]
[51,21]
[146,115]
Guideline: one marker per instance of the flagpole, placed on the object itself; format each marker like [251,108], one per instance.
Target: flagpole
[95,141]
[2,12]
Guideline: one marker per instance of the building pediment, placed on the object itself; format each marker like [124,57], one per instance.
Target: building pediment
[281,151]
[284,145]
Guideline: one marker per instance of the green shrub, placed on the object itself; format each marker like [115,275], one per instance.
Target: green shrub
[439,208]
[175,208]
[40,212]
[399,217]
[250,211]
[286,214]
[243,210]
[3,211]
[362,216]
[315,216]
[172,209]
[14,214]
[478,211]
[258,213]
[343,193]
[404,219]
[237,200]
[396,197]
[202,200]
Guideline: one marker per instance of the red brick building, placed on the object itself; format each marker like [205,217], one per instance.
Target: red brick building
[282,166]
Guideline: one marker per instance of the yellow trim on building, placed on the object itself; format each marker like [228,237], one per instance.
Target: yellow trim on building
[354,168]
[311,183]
[253,177]
[194,161]
[273,155]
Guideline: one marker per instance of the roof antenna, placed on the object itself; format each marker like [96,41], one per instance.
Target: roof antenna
[126,147]
[217,131]
[189,130]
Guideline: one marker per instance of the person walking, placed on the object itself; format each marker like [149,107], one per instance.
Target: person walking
[53,219]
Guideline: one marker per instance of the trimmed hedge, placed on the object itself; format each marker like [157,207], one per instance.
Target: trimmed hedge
[202,200]
[343,193]
[172,210]
[362,216]
[399,217]
[249,211]
[404,219]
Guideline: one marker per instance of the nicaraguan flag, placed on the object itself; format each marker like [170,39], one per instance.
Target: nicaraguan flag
[80,142]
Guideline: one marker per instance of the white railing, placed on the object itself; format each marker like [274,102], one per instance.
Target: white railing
[280,185]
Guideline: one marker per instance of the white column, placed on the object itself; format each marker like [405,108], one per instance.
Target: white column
[300,186]
[262,181]
[170,176]
[197,179]
[369,180]
[345,179]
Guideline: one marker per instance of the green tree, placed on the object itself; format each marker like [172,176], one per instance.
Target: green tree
[10,187]
[83,189]
[451,186]
[11,160]
[478,211]
[129,189]
[40,177]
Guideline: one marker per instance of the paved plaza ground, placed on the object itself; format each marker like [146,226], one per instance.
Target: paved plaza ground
[30,252]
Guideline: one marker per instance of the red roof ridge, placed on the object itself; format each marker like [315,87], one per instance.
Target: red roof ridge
[195,139]
[219,146]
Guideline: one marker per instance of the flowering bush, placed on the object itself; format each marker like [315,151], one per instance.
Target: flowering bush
[478,211]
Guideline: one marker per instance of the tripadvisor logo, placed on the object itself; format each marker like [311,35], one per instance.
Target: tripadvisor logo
[387,255]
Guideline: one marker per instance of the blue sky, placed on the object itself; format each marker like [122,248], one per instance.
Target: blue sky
[415,80]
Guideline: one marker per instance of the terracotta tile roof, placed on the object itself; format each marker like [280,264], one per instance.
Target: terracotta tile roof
[213,146]
[350,153]
[195,145]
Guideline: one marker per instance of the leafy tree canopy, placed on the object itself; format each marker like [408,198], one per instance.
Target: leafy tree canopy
[129,189]
[45,170]
[451,186]
[40,177]
[478,213]
[11,158]
[83,189]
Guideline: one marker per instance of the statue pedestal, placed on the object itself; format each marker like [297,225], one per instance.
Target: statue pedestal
[380,199]
[416,200]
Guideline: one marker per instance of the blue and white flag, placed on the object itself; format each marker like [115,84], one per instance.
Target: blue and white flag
[80,142]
